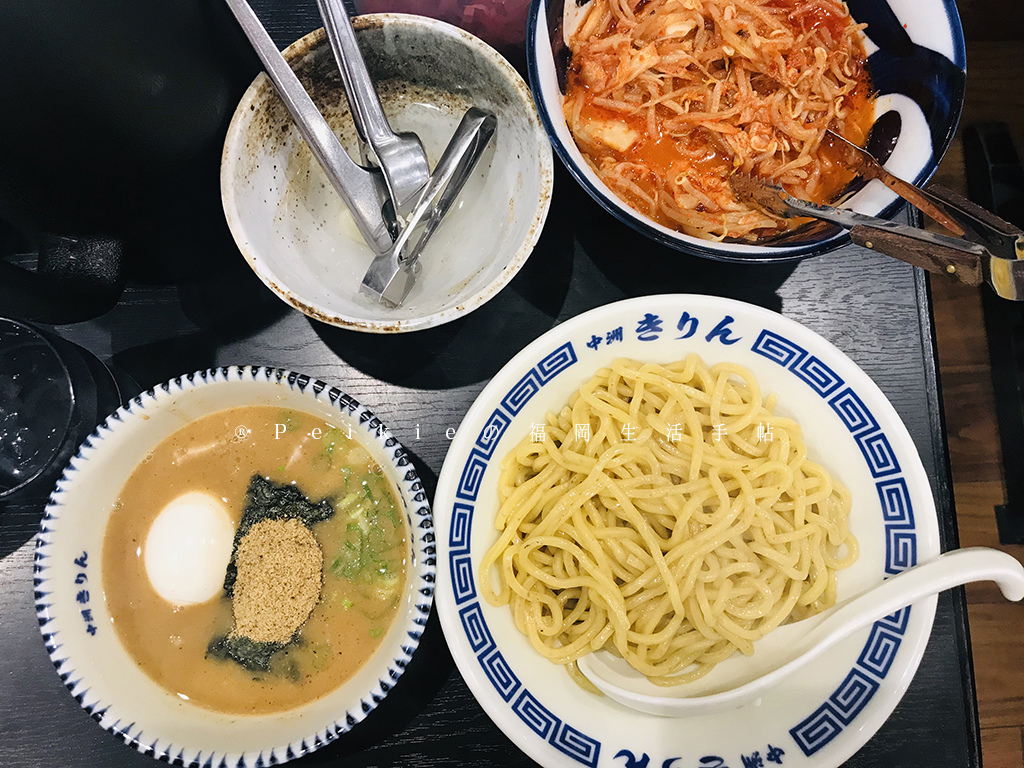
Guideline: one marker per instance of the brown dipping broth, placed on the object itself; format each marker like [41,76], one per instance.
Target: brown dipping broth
[170,642]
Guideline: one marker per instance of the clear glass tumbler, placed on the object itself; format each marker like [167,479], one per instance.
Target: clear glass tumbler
[52,394]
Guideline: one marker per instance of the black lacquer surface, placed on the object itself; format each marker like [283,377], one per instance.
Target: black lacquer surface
[874,309]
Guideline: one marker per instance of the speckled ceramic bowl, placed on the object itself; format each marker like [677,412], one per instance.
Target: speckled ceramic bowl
[72,608]
[295,232]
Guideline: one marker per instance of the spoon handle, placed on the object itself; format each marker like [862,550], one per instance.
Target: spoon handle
[367,113]
[950,570]
[953,569]
[946,571]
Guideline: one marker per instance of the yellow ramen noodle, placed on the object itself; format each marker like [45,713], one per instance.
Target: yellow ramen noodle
[668,515]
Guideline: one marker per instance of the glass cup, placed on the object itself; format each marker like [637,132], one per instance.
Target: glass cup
[52,395]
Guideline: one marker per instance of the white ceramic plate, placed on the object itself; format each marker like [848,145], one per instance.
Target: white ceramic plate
[818,718]
[76,623]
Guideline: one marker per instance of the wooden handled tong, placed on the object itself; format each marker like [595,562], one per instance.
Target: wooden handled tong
[991,249]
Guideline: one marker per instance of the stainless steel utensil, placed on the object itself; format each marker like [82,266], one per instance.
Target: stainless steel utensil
[400,156]
[993,252]
[361,189]
[867,166]
[392,275]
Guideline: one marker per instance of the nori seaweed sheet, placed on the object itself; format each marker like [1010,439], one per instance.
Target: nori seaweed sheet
[251,654]
[264,500]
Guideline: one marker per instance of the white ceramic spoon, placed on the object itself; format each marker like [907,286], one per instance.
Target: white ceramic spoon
[745,679]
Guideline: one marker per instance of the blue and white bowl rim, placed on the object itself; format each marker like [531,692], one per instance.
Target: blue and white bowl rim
[607,200]
[422,570]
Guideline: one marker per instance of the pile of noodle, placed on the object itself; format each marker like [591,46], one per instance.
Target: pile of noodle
[687,524]
[746,85]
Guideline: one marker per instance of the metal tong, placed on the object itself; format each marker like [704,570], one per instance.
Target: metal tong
[991,250]
[363,190]
[400,156]
[391,275]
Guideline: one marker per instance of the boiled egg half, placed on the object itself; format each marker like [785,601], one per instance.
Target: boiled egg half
[188,548]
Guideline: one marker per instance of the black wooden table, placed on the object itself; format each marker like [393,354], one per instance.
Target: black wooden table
[874,309]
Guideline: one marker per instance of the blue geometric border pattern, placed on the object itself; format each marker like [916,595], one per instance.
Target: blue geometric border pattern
[462,523]
[562,736]
[492,432]
[476,629]
[900,533]
[538,376]
[472,476]
[502,677]
[854,693]
[853,413]
[778,349]
[817,375]
[879,454]
[462,576]
[876,658]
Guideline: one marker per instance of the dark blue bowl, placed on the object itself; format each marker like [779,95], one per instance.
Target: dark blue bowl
[918,65]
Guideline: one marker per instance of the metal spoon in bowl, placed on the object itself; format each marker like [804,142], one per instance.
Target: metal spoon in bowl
[400,156]
[392,275]
[361,189]
[745,679]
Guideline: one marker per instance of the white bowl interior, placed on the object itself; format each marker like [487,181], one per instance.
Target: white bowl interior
[298,236]
[96,666]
